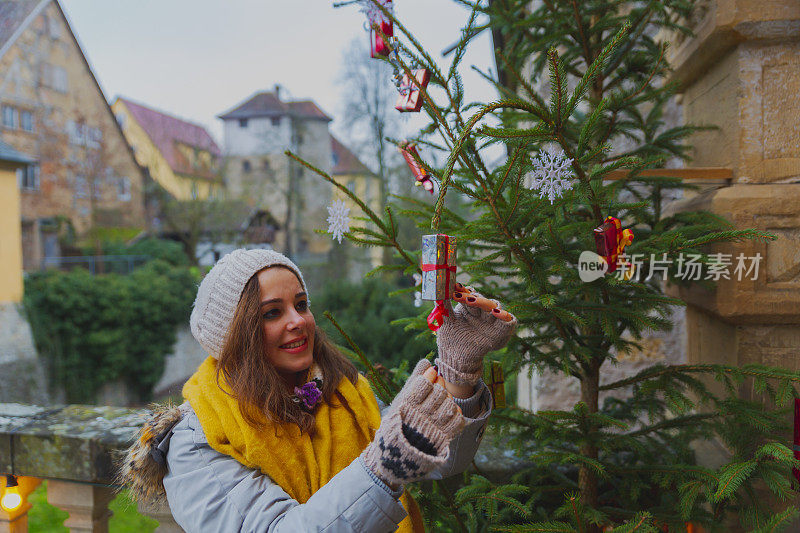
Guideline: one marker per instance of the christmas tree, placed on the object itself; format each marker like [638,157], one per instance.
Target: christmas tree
[582,99]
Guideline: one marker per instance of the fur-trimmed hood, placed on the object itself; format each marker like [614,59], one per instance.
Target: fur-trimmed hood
[144,465]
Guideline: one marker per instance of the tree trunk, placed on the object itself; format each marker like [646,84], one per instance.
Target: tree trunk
[587,478]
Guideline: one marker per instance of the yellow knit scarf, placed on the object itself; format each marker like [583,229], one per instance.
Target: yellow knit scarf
[300,464]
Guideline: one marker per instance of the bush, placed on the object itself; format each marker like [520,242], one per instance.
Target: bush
[365,312]
[169,251]
[96,329]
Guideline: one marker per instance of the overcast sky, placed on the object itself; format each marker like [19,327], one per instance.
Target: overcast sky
[198,58]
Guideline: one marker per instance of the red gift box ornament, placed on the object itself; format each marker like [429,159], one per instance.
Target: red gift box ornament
[438,275]
[411,155]
[410,98]
[611,240]
[375,17]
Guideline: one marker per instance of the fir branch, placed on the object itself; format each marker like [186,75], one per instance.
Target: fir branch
[386,390]
[747,370]
[390,237]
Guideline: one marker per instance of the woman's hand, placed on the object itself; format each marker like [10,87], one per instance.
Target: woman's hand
[414,438]
[474,328]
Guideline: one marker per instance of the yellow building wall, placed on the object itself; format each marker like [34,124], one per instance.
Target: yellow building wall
[24,84]
[10,236]
[148,155]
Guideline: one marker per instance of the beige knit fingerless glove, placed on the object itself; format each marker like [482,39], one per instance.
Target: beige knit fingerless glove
[414,438]
[466,336]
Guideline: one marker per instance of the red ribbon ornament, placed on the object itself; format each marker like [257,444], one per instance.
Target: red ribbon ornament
[436,317]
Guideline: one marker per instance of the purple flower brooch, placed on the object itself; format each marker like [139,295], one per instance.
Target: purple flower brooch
[309,394]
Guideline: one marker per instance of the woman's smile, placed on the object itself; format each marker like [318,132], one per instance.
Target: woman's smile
[296,346]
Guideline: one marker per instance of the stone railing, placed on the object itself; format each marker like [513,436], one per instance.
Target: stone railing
[73,447]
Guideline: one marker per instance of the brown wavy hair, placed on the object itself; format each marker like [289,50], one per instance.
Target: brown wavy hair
[255,383]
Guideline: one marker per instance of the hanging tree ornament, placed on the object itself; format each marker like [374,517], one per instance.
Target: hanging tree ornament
[438,275]
[497,384]
[376,17]
[611,240]
[410,98]
[338,220]
[421,176]
[552,173]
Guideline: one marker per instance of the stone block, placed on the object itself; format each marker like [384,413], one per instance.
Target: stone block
[87,505]
[773,296]
[74,442]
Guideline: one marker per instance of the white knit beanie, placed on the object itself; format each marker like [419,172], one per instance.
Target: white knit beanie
[221,289]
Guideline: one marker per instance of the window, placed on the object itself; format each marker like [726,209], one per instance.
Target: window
[334,158]
[76,132]
[81,187]
[242,122]
[60,79]
[55,77]
[26,120]
[120,119]
[123,189]
[28,178]
[54,27]
[351,186]
[95,137]
[246,167]
[9,116]
[276,121]
[195,191]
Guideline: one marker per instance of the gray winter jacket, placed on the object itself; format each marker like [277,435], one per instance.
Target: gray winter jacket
[211,492]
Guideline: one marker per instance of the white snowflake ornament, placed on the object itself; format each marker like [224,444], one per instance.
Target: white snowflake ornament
[338,220]
[552,173]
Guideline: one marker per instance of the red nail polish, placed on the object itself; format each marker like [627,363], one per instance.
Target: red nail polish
[457,295]
[471,299]
[496,310]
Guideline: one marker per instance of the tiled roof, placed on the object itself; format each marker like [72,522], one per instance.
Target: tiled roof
[308,109]
[8,153]
[12,14]
[166,131]
[269,104]
[345,161]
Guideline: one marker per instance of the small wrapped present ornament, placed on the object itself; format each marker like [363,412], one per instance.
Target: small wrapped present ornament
[378,45]
[375,17]
[410,98]
[497,384]
[438,275]
[611,240]
[411,156]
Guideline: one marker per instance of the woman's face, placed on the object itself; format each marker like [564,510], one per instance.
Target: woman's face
[288,323]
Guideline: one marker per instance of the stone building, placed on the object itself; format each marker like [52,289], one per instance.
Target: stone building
[180,156]
[739,72]
[52,108]
[257,132]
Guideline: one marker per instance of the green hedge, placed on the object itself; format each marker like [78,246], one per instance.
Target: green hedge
[96,329]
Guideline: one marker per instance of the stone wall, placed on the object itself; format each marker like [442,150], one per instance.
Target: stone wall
[18,358]
[546,390]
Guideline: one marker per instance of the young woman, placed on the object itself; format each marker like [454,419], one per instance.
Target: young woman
[280,433]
